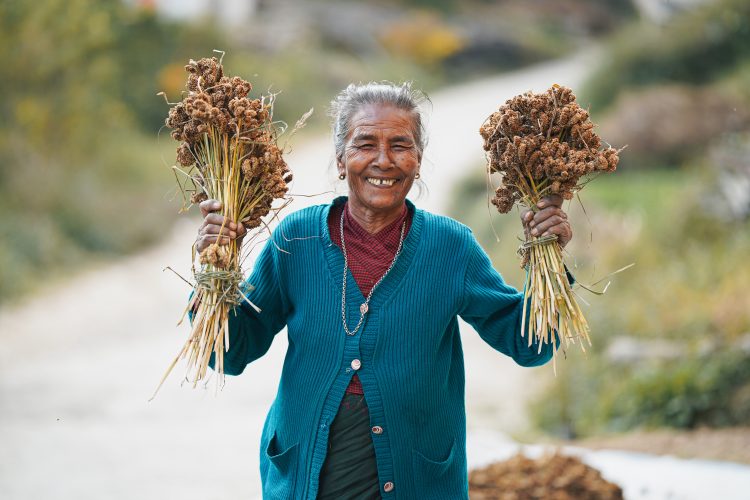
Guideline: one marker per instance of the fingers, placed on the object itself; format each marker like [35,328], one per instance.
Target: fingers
[550,219]
[554,225]
[542,227]
[208,206]
[563,231]
[241,231]
[219,227]
[526,216]
[551,200]
[206,240]
[213,233]
[546,213]
[216,228]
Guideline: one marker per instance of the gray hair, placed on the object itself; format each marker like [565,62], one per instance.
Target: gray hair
[354,97]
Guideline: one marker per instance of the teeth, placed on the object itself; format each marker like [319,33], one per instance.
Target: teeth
[379,182]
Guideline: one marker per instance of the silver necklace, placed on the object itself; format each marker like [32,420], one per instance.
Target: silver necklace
[365,305]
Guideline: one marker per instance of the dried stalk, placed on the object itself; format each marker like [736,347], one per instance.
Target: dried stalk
[544,144]
[229,153]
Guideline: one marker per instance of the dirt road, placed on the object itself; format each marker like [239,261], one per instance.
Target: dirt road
[79,361]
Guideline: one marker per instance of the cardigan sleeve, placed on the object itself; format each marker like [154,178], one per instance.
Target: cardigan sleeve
[494,310]
[251,333]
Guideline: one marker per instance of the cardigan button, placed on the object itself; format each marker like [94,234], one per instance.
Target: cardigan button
[356,364]
[377,430]
[388,487]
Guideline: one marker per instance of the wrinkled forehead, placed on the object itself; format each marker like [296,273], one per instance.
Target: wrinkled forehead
[382,120]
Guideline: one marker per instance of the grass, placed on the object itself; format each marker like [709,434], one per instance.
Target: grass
[648,191]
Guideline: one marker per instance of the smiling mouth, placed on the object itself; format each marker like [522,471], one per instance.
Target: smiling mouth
[381,182]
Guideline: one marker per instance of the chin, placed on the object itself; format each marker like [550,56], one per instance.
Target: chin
[384,201]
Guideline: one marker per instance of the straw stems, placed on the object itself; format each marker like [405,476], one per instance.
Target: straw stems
[228,152]
[210,334]
[542,145]
[215,296]
[549,301]
[218,287]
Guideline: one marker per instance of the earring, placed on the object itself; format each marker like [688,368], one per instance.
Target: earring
[417,176]
[342,176]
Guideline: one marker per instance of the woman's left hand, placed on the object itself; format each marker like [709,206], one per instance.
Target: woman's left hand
[549,219]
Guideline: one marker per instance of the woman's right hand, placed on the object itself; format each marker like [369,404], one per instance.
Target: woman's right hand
[211,229]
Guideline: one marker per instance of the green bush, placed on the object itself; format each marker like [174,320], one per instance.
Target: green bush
[58,216]
[698,391]
[695,47]
[594,397]
[81,176]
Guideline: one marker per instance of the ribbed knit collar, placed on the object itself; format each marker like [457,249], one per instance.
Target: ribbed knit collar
[361,232]
[390,284]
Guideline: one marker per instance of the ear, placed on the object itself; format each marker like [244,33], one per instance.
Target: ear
[340,166]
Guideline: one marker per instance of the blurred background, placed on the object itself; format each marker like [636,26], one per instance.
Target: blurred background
[89,216]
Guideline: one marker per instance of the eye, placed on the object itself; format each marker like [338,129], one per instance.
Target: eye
[365,145]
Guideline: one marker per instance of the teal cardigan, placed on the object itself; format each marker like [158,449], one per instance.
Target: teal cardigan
[409,349]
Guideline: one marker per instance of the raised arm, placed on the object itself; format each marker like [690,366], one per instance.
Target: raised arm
[494,310]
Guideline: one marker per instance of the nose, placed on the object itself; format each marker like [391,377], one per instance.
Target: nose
[383,160]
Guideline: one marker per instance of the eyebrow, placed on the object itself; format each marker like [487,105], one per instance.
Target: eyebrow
[401,138]
[371,137]
[364,137]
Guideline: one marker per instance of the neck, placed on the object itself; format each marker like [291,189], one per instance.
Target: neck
[373,221]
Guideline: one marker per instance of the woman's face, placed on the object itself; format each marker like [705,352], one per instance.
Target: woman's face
[380,157]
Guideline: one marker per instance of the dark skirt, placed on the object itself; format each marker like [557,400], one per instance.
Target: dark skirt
[350,470]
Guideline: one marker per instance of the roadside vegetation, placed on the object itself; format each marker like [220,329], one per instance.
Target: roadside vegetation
[85,171]
[671,337]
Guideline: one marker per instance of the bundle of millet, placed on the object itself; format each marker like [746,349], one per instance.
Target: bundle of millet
[228,151]
[543,144]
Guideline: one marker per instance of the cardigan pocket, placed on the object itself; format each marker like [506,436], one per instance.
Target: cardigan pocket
[438,479]
[281,472]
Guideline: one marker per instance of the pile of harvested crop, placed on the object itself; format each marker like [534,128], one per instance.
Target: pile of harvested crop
[544,144]
[228,152]
[551,477]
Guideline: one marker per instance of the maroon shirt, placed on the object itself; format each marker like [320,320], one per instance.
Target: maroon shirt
[369,255]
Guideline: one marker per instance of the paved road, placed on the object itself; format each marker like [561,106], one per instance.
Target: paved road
[79,361]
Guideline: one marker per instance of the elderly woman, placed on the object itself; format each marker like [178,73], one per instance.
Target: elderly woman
[371,398]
